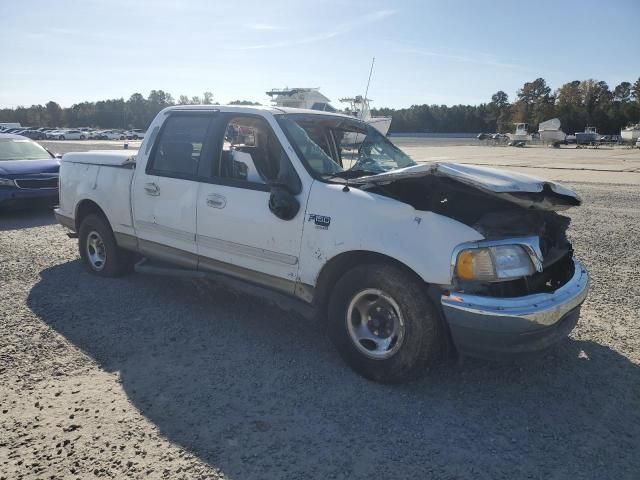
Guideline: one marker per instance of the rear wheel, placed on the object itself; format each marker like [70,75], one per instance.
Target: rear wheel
[62,137]
[98,249]
[82,137]
[383,324]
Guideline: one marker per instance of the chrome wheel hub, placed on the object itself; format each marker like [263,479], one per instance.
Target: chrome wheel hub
[96,253]
[375,324]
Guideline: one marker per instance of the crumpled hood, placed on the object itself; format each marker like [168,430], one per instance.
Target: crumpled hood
[525,190]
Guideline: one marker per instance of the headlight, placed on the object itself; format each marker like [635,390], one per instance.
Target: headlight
[491,264]
[7,182]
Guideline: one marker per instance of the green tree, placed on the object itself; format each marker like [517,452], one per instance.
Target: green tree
[635,91]
[622,93]
[54,113]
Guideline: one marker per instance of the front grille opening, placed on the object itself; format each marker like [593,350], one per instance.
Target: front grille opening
[37,182]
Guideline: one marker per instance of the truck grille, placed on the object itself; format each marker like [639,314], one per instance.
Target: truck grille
[51,182]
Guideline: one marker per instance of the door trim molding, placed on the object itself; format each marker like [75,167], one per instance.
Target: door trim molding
[175,233]
[189,260]
[246,250]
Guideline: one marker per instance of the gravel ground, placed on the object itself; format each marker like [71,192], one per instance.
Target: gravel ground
[148,377]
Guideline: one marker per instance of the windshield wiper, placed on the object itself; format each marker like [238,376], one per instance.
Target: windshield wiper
[347,174]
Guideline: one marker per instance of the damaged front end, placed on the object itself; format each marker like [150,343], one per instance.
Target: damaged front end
[517,290]
[504,207]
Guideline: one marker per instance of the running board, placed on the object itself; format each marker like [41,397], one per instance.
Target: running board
[281,300]
[145,266]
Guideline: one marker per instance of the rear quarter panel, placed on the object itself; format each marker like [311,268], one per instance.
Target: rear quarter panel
[107,186]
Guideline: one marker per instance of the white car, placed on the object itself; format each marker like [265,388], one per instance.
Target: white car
[401,259]
[112,135]
[68,135]
[135,134]
[94,134]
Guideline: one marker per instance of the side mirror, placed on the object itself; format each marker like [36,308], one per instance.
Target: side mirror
[282,203]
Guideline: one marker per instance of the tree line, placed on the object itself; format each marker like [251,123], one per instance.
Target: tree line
[577,104]
[136,112]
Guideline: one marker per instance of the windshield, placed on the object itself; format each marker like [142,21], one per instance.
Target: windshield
[341,147]
[22,150]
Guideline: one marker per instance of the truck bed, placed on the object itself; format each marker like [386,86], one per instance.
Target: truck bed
[100,176]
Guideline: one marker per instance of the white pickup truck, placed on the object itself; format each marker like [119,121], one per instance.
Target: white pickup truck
[402,259]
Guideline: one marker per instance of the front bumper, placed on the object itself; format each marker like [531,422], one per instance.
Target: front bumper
[23,197]
[489,326]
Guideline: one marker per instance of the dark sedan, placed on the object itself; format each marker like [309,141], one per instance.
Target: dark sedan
[28,173]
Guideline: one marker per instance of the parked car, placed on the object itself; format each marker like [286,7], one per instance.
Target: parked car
[54,134]
[399,257]
[28,173]
[72,135]
[112,135]
[135,134]
[33,134]
[94,134]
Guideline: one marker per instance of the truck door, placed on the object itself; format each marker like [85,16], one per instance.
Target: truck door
[237,233]
[165,193]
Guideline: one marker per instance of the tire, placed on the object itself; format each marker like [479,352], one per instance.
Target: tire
[122,137]
[82,137]
[384,288]
[135,137]
[62,137]
[99,251]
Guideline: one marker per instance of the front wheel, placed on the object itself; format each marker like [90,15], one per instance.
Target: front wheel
[62,137]
[82,137]
[98,249]
[383,324]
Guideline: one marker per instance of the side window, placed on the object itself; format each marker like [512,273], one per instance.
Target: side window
[251,153]
[177,153]
[246,151]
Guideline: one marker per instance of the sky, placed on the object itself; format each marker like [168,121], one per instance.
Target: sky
[434,52]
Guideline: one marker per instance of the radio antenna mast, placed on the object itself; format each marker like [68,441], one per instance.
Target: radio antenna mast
[369,81]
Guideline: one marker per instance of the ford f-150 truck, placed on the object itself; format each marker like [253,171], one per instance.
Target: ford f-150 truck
[402,259]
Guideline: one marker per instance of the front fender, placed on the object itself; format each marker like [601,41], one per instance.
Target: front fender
[337,222]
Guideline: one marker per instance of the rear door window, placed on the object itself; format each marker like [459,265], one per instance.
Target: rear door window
[179,149]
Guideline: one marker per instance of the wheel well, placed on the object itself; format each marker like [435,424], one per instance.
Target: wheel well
[340,264]
[86,207]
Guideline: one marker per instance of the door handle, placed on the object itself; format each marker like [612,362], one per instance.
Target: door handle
[152,189]
[216,201]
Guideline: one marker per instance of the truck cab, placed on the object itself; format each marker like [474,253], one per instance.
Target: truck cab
[402,259]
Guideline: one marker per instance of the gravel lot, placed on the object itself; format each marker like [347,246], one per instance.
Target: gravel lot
[148,377]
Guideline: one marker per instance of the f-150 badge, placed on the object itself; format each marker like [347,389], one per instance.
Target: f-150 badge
[321,221]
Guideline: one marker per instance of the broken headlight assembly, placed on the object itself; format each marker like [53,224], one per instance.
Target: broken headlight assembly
[493,263]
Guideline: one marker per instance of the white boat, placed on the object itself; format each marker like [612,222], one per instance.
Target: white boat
[550,131]
[631,133]
[304,97]
[589,136]
[359,108]
[522,133]
[310,98]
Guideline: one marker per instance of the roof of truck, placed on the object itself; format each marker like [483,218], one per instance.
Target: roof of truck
[258,108]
